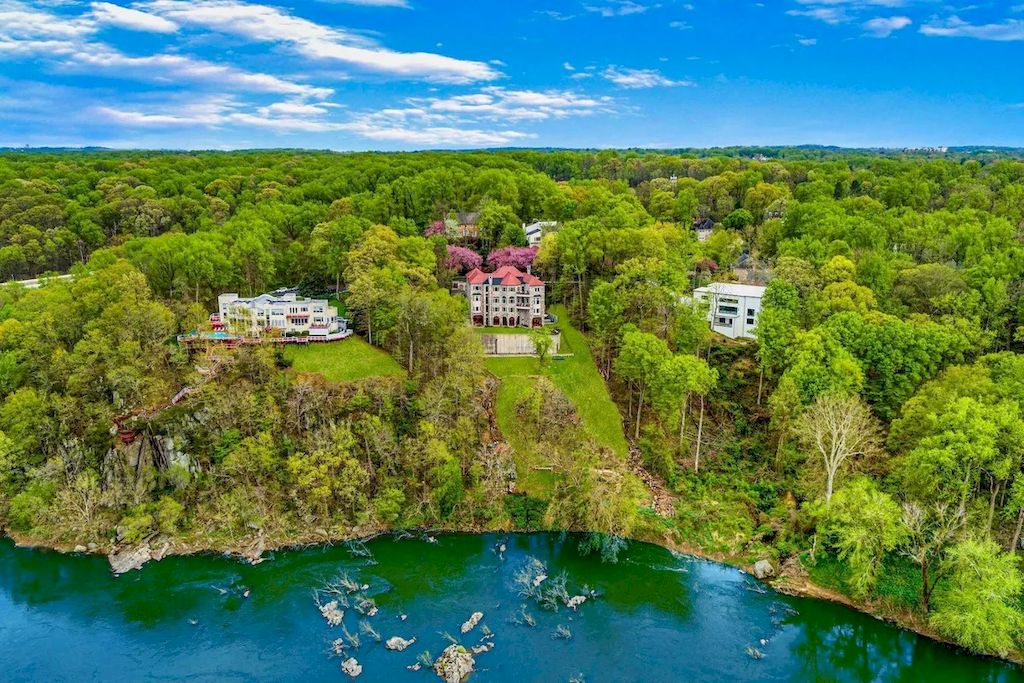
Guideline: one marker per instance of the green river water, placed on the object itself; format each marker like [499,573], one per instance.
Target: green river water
[657,616]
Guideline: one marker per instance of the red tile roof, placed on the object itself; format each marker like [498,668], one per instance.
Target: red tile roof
[508,276]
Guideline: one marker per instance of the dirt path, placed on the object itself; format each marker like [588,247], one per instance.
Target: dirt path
[664,502]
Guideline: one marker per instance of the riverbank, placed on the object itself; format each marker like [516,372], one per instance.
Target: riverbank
[790,579]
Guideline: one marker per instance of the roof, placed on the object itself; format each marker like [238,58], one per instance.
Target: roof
[732,289]
[703,224]
[508,276]
[467,217]
[538,226]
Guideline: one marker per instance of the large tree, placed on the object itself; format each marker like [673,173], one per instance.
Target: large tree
[640,361]
[837,430]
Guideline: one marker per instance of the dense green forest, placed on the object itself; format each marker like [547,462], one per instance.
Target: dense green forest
[872,436]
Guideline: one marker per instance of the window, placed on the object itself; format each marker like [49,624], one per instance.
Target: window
[722,321]
[750,313]
[750,321]
[728,310]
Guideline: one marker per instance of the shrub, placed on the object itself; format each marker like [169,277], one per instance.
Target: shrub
[169,514]
[136,525]
[30,506]
[389,505]
[526,512]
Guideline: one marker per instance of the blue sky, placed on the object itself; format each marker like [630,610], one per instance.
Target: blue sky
[419,74]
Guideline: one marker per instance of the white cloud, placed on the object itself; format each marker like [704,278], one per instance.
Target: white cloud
[955,27]
[132,19]
[214,112]
[830,15]
[808,42]
[883,27]
[842,11]
[25,30]
[473,119]
[371,3]
[640,78]
[568,66]
[100,59]
[857,4]
[434,136]
[67,44]
[500,104]
[296,108]
[262,23]
[618,8]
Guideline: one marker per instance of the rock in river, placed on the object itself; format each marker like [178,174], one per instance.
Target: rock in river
[454,664]
[471,623]
[398,643]
[129,559]
[351,667]
[763,569]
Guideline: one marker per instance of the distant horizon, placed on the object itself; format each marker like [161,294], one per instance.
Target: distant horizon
[950,149]
[417,75]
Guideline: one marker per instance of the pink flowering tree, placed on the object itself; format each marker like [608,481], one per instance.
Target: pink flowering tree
[518,257]
[708,265]
[435,228]
[461,259]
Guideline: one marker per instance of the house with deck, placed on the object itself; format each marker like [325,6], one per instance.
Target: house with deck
[507,297]
[733,308]
[281,312]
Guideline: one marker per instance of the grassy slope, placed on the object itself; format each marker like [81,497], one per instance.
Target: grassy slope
[342,361]
[578,378]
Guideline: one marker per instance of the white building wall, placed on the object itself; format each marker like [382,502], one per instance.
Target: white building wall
[732,313]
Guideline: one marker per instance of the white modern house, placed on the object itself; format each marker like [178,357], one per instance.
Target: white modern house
[281,311]
[535,231]
[732,308]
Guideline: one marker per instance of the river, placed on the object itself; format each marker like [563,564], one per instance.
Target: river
[656,616]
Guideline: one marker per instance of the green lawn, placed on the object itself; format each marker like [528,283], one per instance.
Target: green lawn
[342,361]
[577,376]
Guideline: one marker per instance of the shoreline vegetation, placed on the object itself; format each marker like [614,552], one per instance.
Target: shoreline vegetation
[867,446]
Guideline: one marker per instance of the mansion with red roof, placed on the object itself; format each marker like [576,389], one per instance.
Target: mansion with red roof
[507,297]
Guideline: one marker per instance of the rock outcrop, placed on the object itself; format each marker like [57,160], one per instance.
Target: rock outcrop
[351,667]
[454,664]
[332,613]
[471,623]
[763,569]
[398,643]
[130,559]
